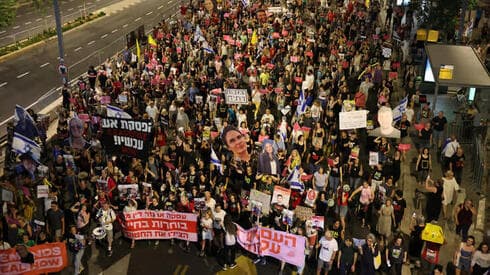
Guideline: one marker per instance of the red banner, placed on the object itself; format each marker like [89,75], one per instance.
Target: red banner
[48,258]
[149,224]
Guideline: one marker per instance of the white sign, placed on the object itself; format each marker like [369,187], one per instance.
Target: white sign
[236,96]
[373,158]
[386,52]
[42,191]
[353,120]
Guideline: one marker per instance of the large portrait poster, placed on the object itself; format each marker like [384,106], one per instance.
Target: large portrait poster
[129,137]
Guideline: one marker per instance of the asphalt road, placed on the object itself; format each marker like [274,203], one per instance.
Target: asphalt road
[30,74]
[30,21]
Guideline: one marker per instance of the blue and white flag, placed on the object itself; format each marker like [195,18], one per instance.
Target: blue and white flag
[215,160]
[113,111]
[205,46]
[400,109]
[198,35]
[295,181]
[24,145]
[24,124]
[301,108]
[245,3]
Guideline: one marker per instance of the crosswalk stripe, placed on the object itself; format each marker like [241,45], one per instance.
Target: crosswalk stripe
[177,270]
[184,270]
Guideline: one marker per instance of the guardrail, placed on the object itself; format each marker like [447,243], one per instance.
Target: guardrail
[97,57]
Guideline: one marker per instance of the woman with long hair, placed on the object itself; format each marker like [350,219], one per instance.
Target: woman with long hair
[480,263]
[230,242]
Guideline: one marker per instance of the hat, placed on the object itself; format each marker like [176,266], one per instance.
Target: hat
[346,188]
[82,175]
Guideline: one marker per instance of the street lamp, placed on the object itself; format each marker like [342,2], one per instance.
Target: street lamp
[59,33]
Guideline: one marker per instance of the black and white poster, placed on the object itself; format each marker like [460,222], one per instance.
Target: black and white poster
[129,137]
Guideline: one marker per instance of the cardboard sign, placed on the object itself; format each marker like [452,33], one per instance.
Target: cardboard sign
[149,224]
[42,191]
[263,198]
[373,158]
[318,221]
[294,59]
[226,37]
[48,258]
[281,196]
[128,191]
[303,212]
[236,96]
[352,120]
[264,241]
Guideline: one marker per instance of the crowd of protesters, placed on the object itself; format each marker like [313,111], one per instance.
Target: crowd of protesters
[301,67]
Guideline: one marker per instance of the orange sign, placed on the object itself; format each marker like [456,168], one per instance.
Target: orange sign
[48,258]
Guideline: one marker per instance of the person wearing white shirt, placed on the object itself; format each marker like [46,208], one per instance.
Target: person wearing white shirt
[328,249]
[448,151]
[152,110]
[449,186]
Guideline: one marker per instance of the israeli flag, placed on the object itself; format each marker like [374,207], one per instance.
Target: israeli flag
[198,35]
[301,108]
[400,109]
[207,48]
[113,111]
[215,160]
[24,124]
[245,3]
[294,180]
[24,145]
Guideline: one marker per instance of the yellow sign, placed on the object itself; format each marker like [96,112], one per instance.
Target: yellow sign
[446,72]
[421,34]
[432,36]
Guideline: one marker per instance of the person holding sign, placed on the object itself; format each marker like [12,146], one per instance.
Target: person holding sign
[385,120]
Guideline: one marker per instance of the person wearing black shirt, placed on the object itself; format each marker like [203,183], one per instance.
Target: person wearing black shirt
[403,125]
[425,136]
[439,125]
[346,261]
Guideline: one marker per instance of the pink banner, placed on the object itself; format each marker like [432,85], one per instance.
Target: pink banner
[105,99]
[269,242]
[149,224]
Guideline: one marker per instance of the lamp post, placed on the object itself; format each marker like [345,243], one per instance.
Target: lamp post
[59,33]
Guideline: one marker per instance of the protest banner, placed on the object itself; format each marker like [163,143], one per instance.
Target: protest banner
[373,158]
[281,196]
[311,197]
[149,224]
[352,120]
[318,221]
[263,198]
[42,191]
[236,96]
[48,258]
[128,191]
[269,242]
[303,212]
[129,137]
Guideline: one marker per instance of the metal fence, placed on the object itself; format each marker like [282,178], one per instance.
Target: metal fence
[478,161]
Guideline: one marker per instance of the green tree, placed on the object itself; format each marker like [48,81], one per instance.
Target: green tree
[8,10]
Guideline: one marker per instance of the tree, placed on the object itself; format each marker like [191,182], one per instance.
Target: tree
[8,10]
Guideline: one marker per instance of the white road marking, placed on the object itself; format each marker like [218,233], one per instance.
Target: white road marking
[3,84]
[44,65]
[28,22]
[91,42]
[89,3]
[39,19]
[1,32]
[160,7]
[77,49]
[104,36]
[170,2]
[148,13]
[29,12]
[70,9]
[48,16]
[114,30]
[16,27]
[22,75]
[125,25]
[137,19]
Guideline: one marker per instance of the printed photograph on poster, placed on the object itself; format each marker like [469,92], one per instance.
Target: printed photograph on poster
[318,221]
[200,204]
[281,196]
[75,139]
[147,189]
[385,120]
[311,196]
[128,191]
[102,185]
[373,158]
[256,207]
[261,197]
[287,217]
